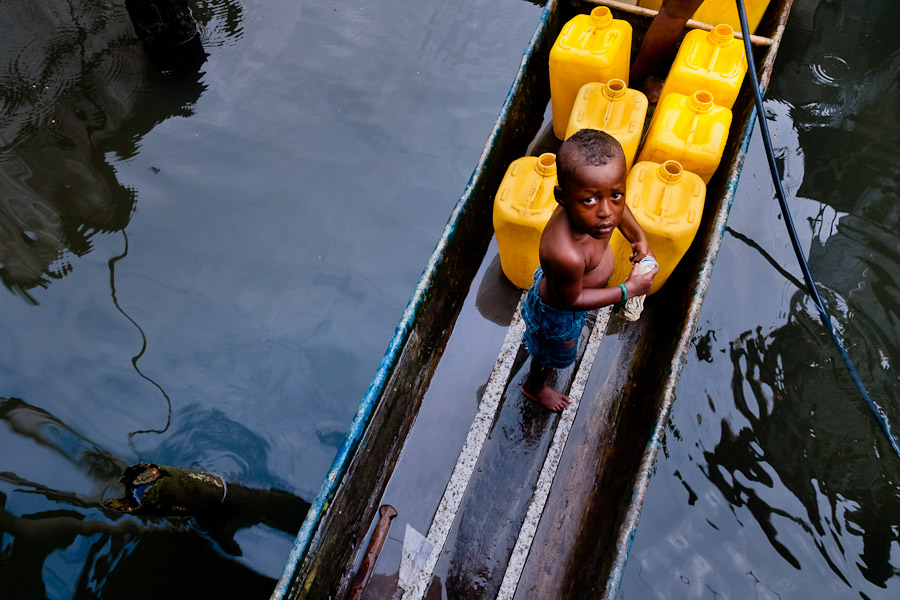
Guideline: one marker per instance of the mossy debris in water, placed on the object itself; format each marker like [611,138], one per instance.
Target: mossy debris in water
[152,489]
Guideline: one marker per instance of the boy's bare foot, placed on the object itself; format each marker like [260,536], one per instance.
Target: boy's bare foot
[548,398]
[652,87]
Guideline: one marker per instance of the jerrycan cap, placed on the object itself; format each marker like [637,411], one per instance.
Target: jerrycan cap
[670,171]
[545,165]
[701,101]
[601,17]
[721,34]
[614,88]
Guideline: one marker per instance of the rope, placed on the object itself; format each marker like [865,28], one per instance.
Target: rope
[789,223]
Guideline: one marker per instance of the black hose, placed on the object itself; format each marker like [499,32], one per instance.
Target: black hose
[788,221]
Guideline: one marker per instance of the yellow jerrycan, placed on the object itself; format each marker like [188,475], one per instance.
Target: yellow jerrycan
[667,203]
[589,48]
[689,129]
[522,207]
[725,11]
[613,108]
[714,61]
[722,11]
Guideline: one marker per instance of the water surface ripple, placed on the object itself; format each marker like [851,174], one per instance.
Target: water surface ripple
[279,196]
[775,481]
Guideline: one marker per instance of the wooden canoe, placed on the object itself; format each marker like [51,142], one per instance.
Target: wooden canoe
[592,511]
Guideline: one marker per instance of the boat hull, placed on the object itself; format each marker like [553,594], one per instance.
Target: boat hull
[594,508]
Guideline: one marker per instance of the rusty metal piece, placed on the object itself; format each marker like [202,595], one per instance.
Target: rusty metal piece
[361,580]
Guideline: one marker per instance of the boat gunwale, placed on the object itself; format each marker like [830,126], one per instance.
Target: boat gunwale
[701,282]
[313,528]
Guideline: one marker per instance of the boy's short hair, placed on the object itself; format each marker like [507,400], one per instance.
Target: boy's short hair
[586,147]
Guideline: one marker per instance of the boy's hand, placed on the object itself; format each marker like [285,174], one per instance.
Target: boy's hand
[640,249]
[636,236]
[638,284]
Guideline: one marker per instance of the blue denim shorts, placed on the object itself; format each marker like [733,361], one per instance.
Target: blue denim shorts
[551,335]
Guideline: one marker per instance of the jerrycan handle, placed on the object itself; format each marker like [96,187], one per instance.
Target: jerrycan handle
[544,168]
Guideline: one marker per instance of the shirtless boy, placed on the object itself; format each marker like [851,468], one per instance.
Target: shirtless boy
[576,260]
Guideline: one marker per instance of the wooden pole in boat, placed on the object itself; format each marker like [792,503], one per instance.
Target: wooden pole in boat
[756,40]
[361,580]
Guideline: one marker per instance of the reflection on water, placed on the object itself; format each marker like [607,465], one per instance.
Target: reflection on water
[830,77]
[844,490]
[784,486]
[279,201]
[115,550]
[75,87]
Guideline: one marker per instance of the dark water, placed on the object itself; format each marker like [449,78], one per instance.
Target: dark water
[776,481]
[203,266]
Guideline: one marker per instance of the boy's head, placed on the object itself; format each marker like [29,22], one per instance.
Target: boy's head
[590,167]
[586,147]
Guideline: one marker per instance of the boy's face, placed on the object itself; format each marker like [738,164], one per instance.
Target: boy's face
[594,198]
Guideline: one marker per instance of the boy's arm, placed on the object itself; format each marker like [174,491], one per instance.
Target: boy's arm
[564,279]
[635,235]
[661,37]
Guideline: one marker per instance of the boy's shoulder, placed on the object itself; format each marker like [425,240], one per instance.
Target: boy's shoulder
[559,248]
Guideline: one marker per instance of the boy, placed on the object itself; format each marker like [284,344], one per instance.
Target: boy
[576,260]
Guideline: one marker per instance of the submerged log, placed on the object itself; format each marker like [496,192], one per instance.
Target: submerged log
[160,490]
[168,491]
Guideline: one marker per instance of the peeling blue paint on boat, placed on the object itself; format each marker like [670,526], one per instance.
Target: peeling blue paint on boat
[402,331]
